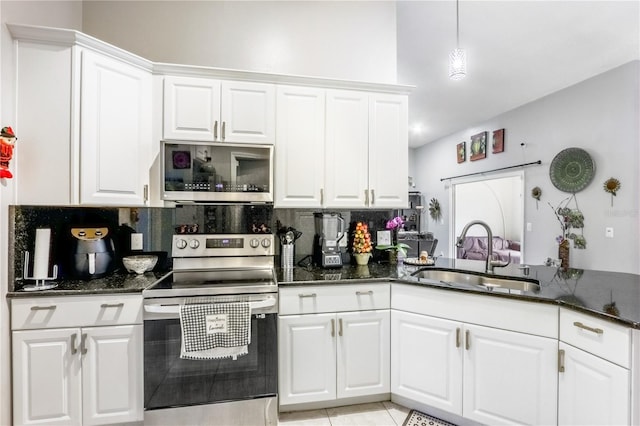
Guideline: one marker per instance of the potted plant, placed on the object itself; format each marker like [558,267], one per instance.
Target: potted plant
[395,248]
[361,243]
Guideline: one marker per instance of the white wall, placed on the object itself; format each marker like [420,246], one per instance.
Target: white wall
[66,14]
[334,39]
[600,115]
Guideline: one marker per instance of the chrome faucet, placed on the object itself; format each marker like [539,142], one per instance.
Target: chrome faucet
[490,264]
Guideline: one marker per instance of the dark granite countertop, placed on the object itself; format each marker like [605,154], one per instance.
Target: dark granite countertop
[118,282]
[610,295]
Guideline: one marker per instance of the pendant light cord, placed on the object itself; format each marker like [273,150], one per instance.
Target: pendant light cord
[457,25]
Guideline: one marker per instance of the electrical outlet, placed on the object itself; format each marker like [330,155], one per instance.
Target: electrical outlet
[529,226]
[136,241]
[608,232]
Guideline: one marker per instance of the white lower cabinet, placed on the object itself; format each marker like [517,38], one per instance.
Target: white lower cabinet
[325,355]
[489,375]
[475,356]
[86,375]
[595,378]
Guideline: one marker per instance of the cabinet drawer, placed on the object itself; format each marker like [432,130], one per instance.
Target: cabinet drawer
[594,335]
[334,298]
[75,311]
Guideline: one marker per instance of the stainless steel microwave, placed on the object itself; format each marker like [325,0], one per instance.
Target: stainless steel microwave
[216,172]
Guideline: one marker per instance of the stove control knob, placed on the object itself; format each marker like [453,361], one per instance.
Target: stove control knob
[194,244]
[266,243]
[181,244]
[254,243]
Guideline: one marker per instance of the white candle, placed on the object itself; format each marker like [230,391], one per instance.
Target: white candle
[41,257]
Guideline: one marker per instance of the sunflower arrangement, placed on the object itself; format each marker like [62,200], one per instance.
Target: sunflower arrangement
[612,186]
[361,239]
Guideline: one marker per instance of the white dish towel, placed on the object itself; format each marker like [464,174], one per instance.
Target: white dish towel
[215,330]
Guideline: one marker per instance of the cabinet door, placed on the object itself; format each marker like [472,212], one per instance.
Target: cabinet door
[509,378]
[591,390]
[115,131]
[347,150]
[46,377]
[248,112]
[363,353]
[427,360]
[191,109]
[306,358]
[299,150]
[112,374]
[388,151]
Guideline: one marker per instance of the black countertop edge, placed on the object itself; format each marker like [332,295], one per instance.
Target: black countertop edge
[116,283]
[587,291]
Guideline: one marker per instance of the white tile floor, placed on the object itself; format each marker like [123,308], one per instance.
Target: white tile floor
[374,414]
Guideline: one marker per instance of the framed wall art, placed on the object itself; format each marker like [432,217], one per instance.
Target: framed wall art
[461,152]
[498,141]
[478,146]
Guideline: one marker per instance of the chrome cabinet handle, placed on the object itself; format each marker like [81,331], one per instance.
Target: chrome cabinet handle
[215,130]
[145,192]
[458,337]
[83,342]
[112,305]
[43,308]
[321,196]
[223,129]
[561,360]
[74,349]
[333,328]
[366,197]
[307,295]
[467,340]
[586,327]
[364,293]
[373,197]
[340,329]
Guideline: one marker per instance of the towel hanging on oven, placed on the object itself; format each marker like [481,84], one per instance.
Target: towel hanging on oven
[215,330]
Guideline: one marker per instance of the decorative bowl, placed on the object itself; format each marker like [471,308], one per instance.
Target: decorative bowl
[140,263]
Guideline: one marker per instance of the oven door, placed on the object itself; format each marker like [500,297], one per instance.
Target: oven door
[170,381]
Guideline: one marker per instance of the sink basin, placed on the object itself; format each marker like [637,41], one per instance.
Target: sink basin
[489,283]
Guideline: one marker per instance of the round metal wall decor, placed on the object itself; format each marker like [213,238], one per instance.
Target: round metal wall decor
[572,170]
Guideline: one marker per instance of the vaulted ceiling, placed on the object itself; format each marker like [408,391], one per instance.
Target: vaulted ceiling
[518,51]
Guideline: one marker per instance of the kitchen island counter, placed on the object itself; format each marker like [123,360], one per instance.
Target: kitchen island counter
[613,296]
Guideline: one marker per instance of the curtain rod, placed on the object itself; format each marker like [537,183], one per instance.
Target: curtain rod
[494,170]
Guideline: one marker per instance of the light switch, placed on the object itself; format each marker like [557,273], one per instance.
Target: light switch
[608,232]
[136,241]
[529,227]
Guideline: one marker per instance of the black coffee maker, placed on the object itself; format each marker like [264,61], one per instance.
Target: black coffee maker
[92,251]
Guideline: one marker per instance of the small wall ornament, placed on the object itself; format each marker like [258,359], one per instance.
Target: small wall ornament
[536,193]
[434,210]
[7,142]
[612,186]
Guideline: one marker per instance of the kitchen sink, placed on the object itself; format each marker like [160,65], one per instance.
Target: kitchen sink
[454,278]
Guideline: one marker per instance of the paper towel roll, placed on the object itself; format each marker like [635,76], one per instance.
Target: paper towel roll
[41,257]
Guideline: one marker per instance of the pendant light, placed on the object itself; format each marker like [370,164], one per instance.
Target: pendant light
[457,57]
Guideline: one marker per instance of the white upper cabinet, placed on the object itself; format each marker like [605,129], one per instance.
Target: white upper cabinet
[299,152]
[366,150]
[84,125]
[347,149]
[191,108]
[115,131]
[388,151]
[202,109]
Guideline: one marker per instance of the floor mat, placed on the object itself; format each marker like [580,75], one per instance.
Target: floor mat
[416,418]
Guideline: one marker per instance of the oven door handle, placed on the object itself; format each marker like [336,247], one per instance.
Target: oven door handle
[175,309]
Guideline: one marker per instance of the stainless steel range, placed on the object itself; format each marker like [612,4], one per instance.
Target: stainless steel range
[212,269]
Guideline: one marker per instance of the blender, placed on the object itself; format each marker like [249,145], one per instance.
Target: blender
[330,229]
